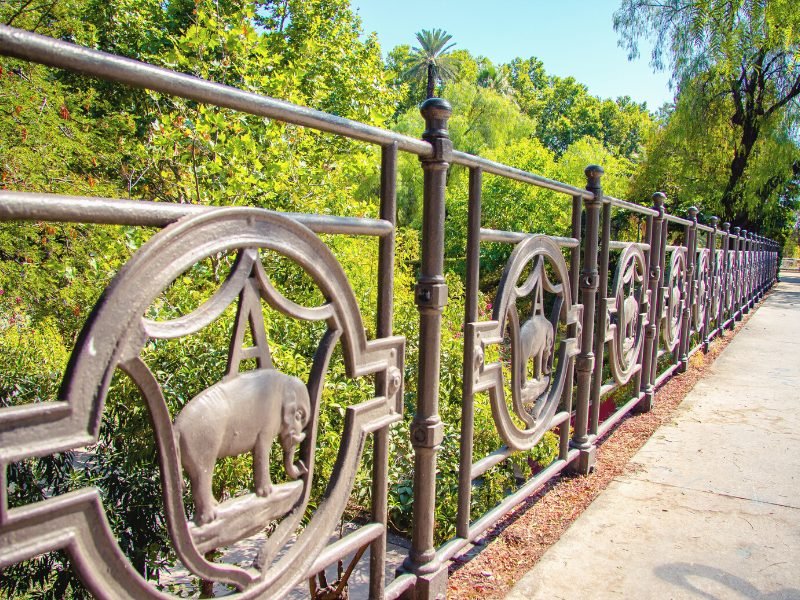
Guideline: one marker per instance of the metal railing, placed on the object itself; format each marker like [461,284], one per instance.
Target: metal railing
[575,321]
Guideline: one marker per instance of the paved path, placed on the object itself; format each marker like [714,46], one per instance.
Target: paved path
[714,509]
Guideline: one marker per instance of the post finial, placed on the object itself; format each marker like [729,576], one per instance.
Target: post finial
[726,226]
[659,199]
[693,213]
[714,222]
[593,175]
[436,112]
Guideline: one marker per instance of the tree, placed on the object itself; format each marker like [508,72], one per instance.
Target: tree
[431,60]
[744,51]
[688,158]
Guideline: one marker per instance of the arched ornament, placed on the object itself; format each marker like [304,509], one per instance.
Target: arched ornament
[114,337]
[535,399]
[717,278]
[628,309]
[730,290]
[702,288]
[674,299]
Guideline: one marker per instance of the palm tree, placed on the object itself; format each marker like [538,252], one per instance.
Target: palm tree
[494,78]
[432,60]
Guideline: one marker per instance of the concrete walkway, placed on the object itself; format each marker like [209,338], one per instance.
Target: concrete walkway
[713,510]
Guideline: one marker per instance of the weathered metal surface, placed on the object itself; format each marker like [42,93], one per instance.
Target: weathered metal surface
[564,308]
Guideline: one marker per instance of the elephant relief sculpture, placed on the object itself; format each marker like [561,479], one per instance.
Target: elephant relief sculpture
[630,317]
[536,340]
[675,297]
[242,414]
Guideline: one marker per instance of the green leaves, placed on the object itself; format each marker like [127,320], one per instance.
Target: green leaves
[737,67]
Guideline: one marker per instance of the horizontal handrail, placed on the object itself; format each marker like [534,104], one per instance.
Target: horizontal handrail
[21,206]
[629,206]
[515,237]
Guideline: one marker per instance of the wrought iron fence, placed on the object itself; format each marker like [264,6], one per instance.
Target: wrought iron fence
[575,320]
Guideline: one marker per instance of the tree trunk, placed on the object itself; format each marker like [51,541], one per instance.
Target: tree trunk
[431,81]
[731,196]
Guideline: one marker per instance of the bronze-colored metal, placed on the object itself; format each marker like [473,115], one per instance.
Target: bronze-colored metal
[431,297]
[584,364]
[114,337]
[656,274]
[690,290]
[535,399]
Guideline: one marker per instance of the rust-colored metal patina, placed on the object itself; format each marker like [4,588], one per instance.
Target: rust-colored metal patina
[573,320]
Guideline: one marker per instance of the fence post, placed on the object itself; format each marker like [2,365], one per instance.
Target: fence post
[712,245]
[431,298]
[762,256]
[759,266]
[650,353]
[725,295]
[686,321]
[584,364]
[746,237]
[737,280]
[600,322]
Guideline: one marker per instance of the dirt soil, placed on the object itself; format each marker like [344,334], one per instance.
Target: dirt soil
[510,549]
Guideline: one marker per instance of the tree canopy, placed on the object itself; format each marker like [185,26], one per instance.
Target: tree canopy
[735,64]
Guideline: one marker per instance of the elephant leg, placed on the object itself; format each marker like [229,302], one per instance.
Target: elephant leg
[204,502]
[537,364]
[261,465]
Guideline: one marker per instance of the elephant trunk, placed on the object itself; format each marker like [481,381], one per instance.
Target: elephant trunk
[292,470]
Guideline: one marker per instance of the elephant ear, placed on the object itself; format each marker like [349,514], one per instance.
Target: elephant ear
[288,408]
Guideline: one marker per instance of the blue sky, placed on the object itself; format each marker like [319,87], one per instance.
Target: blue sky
[571,37]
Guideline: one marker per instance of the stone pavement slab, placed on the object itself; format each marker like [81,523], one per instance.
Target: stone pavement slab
[712,509]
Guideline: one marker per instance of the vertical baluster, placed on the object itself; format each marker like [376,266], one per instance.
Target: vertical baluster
[737,279]
[588,285]
[431,297]
[746,236]
[572,330]
[601,323]
[380,462]
[725,292]
[712,245]
[656,274]
[689,294]
[762,264]
[470,315]
[750,269]
[759,263]
[639,377]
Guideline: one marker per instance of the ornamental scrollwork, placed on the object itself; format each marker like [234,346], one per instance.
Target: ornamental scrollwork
[536,278]
[244,412]
[628,311]
[674,299]
[703,287]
